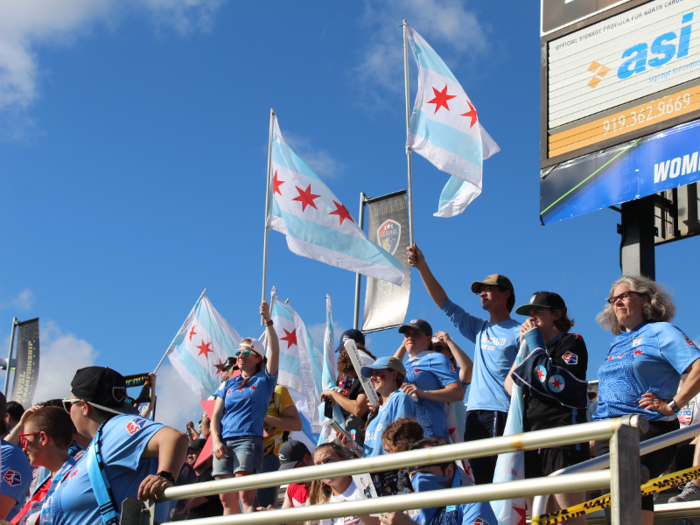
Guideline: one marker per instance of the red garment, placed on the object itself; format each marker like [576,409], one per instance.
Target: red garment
[31,512]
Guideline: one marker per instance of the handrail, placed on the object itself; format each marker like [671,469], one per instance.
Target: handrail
[539,506]
[473,449]
[440,498]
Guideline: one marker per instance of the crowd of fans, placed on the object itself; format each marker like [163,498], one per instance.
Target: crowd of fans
[75,460]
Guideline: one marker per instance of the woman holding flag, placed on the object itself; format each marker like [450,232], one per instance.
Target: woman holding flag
[239,414]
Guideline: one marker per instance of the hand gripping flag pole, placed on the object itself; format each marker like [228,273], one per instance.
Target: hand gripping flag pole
[267,208]
[408,131]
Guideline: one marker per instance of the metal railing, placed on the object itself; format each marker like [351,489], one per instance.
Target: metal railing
[623,477]
[539,506]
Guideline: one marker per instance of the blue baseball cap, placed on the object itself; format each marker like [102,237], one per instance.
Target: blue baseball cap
[353,334]
[390,362]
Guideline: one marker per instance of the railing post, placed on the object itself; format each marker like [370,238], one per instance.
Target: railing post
[625,496]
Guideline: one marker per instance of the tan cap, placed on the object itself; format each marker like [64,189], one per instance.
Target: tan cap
[493,280]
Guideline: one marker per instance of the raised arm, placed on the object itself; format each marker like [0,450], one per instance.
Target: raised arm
[273,359]
[466,365]
[401,352]
[417,259]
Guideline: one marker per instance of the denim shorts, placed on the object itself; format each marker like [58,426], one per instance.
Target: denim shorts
[244,454]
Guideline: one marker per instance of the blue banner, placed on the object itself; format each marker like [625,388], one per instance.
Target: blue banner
[662,161]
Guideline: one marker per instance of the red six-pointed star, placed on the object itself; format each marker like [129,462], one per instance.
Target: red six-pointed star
[540,374]
[441,98]
[556,383]
[204,349]
[218,371]
[290,337]
[192,332]
[610,358]
[638,352]
[471,114]
[276,183]
[342,212]
[306,198]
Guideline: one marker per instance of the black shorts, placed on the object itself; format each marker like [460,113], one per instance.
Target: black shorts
[542,462]
[657,462]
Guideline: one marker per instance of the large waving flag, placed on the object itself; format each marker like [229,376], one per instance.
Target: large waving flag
[316,223]
[204,341]
[511,466]
[445,129]
[301,365]
[328,378]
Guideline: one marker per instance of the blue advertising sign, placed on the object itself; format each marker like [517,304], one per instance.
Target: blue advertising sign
[658,162]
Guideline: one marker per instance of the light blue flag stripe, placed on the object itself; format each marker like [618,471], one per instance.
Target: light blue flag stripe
[281,311]
[284,156]
[316,362]
[306,429]
[429,59]
[447,138]
[290,364]
[217,333]
[451,190]
[196,369]
[331,239]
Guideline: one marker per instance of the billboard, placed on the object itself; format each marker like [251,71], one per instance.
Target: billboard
[27,364]
[633,73]
[557,14]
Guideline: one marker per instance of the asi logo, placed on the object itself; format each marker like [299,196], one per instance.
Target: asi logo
[135,425]
[599,71]
[12,478]
[663,47]
[388,235]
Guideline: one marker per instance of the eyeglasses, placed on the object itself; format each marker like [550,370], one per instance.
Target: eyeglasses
[624,296]
[23,438]
[68,403]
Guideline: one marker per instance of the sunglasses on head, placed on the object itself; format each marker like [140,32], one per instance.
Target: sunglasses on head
[68,403]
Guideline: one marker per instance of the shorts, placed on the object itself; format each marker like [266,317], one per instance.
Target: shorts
[657,462]
[545,461]
[245,454]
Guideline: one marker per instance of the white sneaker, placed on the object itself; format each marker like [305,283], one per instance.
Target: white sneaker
[690,493]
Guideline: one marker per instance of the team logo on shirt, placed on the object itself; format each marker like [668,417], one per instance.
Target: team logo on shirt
[135,425]
[687,340]
[541,373]
[556,383]
[480,521]
[570,358]
[637,340]
[12,478]
[452,369]
[685,417]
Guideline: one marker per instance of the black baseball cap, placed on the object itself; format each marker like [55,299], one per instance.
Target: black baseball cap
[549,300]
[292,452]
[197,444]
[417,324]
[353,334]
[230,363]
[103,388]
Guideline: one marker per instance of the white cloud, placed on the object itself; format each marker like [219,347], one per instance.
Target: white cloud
[22,301]
[176,402]
[25,25]
[320,161]
[61,356]
[446,24]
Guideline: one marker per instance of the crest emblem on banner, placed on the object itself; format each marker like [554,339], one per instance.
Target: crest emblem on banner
[388,235]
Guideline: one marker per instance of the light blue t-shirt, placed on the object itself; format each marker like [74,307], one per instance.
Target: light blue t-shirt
[123,441]
[431,371]
[16,475]
[245,406]
[650,358]
[398,405]
[495,348]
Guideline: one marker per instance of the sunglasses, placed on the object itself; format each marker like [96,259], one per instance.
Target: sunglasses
[68,403]
[245,353]
[23,438]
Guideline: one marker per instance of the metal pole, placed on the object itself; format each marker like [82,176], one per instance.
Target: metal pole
[267,207]
[358,277]
[9,356]
[625,498]
[183,325]
[437,498]
[408,129]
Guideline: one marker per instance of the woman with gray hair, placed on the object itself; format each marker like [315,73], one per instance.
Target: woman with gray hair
[643,368]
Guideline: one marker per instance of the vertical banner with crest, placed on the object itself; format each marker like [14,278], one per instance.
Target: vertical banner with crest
[385,303]
[27,363]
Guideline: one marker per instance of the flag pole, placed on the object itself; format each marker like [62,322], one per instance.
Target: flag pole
[9,357]
[408,128]
[183,325]
[358,277]
[267,208]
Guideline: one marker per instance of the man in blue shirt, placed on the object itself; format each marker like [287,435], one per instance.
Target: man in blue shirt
[15,471]
[495,347]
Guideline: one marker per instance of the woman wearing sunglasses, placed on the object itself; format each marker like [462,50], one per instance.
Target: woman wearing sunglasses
[239,413]
[643,368]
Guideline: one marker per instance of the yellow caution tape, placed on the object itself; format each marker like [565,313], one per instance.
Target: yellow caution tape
[656,485]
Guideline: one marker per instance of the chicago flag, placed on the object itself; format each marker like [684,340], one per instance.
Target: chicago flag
[445,129]
[316,223]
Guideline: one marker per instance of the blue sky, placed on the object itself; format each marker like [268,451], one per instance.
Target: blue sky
[133,138]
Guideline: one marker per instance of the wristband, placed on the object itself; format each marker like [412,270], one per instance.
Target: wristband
[269,323]
[167,476]
[673,406]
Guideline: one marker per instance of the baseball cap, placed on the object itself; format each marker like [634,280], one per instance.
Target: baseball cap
[230,363]
[255,345]
[290,453]
[197,444]
[493,280]
[353,334]
[390,362]
[417,324]
[542,300]
[103,388]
